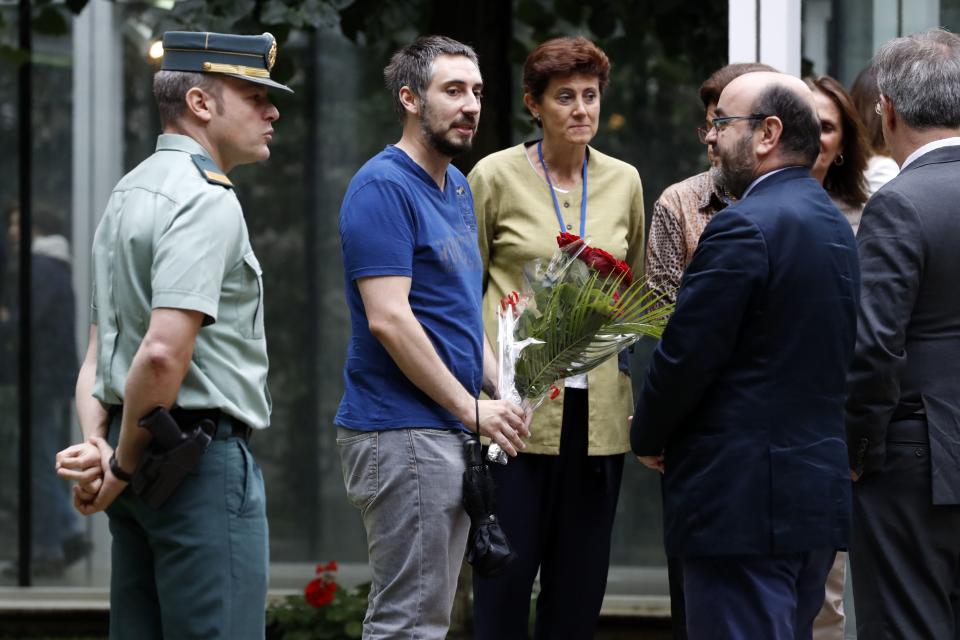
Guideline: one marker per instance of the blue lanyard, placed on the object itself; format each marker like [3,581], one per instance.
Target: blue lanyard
[556,203]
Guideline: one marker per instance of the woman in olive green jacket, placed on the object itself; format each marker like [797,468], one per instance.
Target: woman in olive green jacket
[557,499]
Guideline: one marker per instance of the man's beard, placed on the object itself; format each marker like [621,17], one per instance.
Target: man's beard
[734,173]
[436,137]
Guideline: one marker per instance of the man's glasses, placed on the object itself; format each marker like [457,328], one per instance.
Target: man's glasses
[720,123]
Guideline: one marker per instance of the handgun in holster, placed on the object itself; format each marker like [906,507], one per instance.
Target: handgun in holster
[170,456]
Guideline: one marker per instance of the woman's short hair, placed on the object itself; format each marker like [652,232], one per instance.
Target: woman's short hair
[845,180]
[563,57]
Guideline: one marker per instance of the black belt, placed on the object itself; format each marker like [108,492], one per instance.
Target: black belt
[224,425]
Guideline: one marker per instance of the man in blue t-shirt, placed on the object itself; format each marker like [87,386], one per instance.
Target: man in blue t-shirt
[417,356]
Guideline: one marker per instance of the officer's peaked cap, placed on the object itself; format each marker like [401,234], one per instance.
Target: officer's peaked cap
[249,58]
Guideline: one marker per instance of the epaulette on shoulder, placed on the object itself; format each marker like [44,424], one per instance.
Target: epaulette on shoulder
[210,171]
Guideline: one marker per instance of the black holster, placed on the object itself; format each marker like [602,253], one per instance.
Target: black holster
[170,456]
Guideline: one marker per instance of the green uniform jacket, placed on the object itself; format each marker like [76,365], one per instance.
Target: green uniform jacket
[173,236]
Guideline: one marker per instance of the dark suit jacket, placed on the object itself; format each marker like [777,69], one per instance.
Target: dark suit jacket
[745,391]
[54,350]
[907,361]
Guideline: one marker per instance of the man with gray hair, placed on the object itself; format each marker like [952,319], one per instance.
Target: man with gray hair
[417,354]
[177,357]
[903,409]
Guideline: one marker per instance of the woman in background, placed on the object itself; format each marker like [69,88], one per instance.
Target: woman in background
[839,168]
[557,499]
[881,168]
[844,149]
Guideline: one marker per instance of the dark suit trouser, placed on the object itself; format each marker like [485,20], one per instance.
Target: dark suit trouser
[558,513]
[772,597]
[905,555]
[678,613]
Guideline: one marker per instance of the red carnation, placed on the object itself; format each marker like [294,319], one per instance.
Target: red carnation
[621,267]
[565,239]
[597,259]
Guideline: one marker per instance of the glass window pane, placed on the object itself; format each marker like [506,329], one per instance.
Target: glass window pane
[9,292]
[60,537]
[840,38]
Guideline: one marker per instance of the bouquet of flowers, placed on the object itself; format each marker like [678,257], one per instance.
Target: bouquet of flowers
[577,310]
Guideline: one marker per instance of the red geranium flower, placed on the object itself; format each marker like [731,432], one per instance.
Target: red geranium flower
[329,567]
[319,592]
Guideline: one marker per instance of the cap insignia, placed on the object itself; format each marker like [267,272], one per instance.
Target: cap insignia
[272,55]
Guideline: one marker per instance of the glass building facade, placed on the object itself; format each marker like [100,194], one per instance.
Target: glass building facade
[95,120]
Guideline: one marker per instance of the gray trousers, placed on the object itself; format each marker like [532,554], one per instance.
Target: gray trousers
[408,485]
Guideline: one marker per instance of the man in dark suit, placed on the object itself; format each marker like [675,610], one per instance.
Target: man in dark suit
[903,411]
[742,410]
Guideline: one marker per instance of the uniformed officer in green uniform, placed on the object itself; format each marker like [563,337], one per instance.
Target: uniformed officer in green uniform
[177,322]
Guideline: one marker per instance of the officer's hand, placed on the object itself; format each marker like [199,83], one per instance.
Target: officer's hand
[81,463]
[504,423]
[111,487]
[84,495]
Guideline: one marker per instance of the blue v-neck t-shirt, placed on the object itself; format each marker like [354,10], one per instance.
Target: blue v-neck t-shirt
[396,221]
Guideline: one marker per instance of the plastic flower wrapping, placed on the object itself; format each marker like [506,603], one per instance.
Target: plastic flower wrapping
[577,310]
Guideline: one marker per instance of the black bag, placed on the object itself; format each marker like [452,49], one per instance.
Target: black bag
[169,457]
[488,549]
